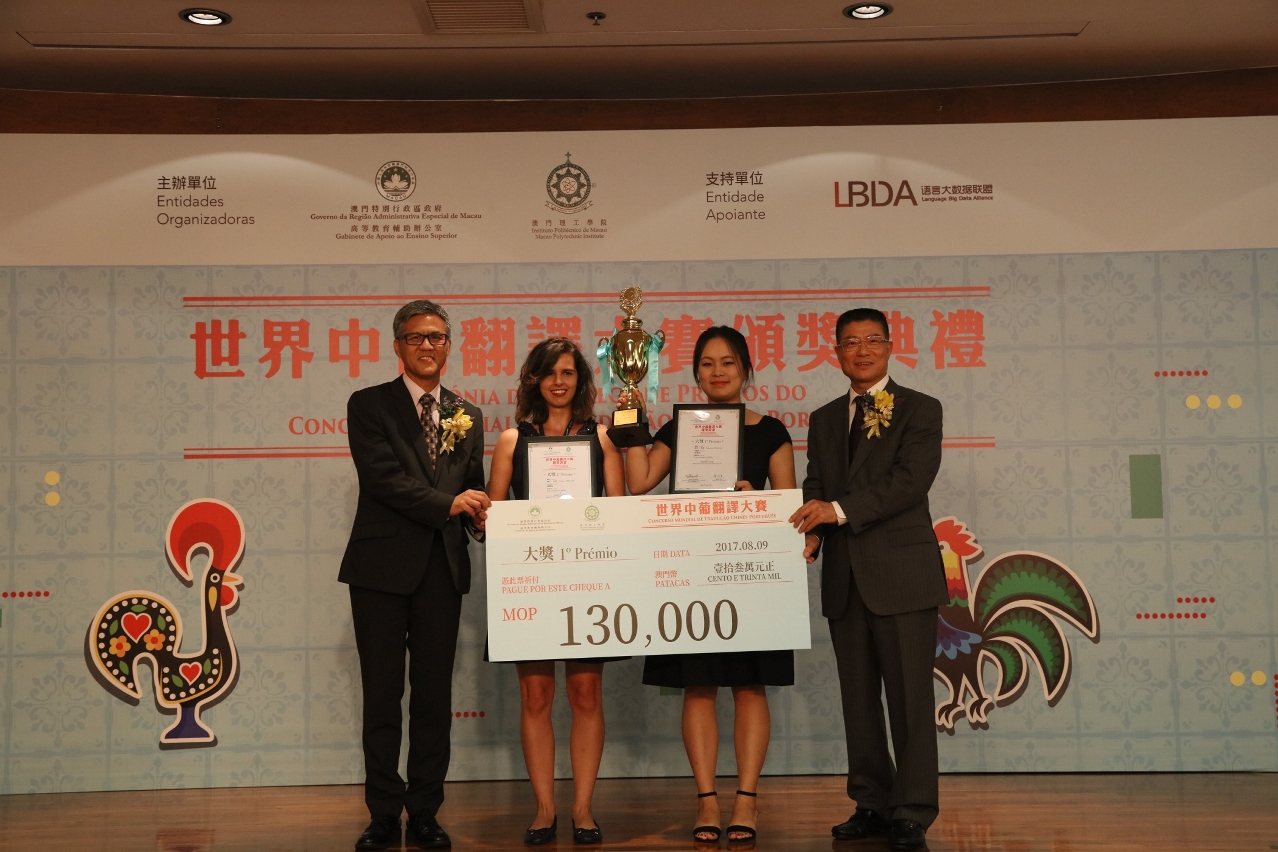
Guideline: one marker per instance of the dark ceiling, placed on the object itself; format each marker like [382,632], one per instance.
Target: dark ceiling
[496,49]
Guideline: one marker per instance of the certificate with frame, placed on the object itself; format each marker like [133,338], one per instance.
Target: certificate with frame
[560,467]
[709,448]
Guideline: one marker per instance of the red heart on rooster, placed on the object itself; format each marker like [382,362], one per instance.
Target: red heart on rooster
[191,671]
[135,624]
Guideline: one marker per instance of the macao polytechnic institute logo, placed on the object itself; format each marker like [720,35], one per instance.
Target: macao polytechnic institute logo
[592,513]
[569,187]
[396,181]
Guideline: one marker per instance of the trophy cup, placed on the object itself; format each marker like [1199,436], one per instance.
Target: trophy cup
[629,354]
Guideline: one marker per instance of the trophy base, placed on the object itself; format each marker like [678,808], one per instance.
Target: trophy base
[630,435]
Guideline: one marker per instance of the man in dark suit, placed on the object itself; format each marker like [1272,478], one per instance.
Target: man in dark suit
[872,456]
[421,488]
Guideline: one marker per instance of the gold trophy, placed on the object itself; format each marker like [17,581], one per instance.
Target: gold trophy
[628,355]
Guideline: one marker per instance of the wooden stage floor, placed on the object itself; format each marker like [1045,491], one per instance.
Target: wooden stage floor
[1004,813]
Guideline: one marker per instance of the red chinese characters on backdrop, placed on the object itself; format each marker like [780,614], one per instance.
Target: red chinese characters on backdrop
[293,336]
[901,332]
[541,328]
[766,338]
[356,351]
[215,347]
[488,345]
[681,340]
[816,334]
[960,338]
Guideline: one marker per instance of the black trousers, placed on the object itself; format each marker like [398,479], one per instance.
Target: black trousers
[888,655]
[425,625]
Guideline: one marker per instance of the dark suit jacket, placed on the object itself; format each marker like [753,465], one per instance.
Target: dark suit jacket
[888,543]
[403,504]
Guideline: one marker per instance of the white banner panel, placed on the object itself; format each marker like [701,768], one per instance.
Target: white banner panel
[646,575]
[640,195]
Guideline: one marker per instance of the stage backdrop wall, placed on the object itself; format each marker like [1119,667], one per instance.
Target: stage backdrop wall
[1095,304]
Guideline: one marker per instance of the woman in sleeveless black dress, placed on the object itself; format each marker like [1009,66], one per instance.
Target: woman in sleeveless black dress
[556,397]
[722,362]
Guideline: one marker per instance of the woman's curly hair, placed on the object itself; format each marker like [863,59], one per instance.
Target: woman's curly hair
[539,364]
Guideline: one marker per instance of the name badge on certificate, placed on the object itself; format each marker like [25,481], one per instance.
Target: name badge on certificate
[560,467]
[709,450]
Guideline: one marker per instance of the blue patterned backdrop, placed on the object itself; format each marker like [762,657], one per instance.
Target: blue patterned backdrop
[107,430]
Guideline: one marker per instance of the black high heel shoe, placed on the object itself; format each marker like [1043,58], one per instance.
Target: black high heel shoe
[743,829]
[707,829]
[540,836]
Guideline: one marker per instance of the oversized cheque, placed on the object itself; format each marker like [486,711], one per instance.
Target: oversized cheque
[618,576]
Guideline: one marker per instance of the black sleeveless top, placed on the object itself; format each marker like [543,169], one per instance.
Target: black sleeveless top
[519,473]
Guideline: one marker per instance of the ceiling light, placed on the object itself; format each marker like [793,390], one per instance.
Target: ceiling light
[205,17]
[867,11]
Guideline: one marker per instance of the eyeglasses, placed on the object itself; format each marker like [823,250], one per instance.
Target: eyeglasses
[414,338]
[873,342]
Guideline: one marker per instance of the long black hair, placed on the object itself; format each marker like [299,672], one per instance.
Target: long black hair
[539,364]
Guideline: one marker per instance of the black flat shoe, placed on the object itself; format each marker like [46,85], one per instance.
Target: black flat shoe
[382,833]
[742,829]
[586,835]
[863,823]
[707,829]
[905,835]
[425,833]
[541,836]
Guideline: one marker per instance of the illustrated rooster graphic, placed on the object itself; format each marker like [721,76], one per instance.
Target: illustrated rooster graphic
[138,625]
[1008,618]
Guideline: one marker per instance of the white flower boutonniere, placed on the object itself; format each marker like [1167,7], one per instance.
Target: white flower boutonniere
[453,425]
[878,414]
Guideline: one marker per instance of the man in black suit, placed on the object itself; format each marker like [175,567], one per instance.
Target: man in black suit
[421,487]
[872,456]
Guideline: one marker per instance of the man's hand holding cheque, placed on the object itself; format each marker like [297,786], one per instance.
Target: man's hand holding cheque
[810,516]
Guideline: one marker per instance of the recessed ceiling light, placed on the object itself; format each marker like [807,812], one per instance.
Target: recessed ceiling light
[866,11]
[205,17]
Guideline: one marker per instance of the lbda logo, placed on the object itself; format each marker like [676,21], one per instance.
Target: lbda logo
[874,193]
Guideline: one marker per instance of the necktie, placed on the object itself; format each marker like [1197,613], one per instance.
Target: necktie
[855,434]
[428,426]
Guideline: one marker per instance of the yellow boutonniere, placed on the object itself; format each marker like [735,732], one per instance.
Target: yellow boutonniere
[878,414]
[453,428]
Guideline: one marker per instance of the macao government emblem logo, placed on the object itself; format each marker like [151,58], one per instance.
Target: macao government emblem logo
[396,181]
[569,187]
[534,511]
[592,513]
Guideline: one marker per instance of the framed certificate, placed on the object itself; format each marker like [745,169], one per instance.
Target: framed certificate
[561,467]
[709,448]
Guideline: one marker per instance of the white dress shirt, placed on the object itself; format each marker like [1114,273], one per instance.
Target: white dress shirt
[416,394]
[852,395]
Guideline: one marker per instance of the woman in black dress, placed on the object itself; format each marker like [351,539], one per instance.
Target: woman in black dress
[556,397]
[722,361]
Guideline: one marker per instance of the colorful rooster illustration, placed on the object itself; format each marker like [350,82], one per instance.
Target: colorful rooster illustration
[1005,617]
[138,625]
